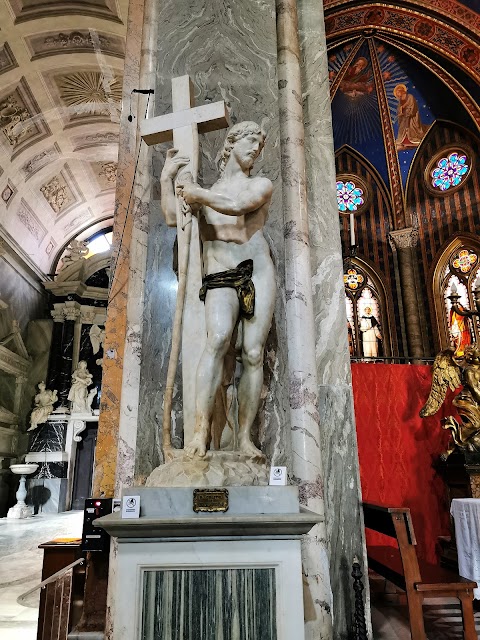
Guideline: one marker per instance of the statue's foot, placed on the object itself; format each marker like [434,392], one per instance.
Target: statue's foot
[247,447]
[197,446]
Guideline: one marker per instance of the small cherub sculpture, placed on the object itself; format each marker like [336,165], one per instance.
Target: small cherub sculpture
[44,401]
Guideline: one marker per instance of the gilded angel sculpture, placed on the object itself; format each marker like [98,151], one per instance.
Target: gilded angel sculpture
[453,372]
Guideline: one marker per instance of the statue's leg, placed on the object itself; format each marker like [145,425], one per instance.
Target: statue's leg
[221,313]
[255,333]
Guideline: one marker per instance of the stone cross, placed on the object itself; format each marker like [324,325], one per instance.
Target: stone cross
[183,126]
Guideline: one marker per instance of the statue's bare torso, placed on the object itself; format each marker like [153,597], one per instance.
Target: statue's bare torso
[231,216]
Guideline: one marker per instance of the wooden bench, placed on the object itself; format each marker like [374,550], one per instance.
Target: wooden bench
[419,580]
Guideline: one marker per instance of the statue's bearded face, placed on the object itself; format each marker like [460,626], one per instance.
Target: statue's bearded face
[247,149]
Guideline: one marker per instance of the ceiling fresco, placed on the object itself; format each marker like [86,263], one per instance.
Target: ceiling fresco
[395,70]
[61,76]
[415,97]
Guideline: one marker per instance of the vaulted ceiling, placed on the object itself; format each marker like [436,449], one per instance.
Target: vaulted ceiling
[61,74]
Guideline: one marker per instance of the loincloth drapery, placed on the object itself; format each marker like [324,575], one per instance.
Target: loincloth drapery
[239,279]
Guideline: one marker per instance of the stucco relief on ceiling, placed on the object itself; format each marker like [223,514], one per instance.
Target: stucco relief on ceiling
[40,160]
[33,9]
[30,221]
[80,41]
[7,59]
[61,192]
[21,122]
[87,96]
[105,173]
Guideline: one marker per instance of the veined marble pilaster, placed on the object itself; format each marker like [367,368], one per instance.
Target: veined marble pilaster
[118,424]
[122,331]
[303,387]
[344,521]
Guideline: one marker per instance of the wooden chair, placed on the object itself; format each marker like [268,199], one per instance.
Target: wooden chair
[420,580]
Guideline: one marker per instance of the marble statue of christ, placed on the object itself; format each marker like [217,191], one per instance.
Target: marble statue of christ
[231,215]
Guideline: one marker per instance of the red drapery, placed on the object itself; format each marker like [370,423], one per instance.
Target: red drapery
[397,449]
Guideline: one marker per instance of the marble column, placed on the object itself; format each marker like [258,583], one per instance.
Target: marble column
[303,386]
[55,358]
[64,378]
[405,241]
[338,445]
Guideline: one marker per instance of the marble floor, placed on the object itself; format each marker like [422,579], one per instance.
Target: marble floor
[21,566]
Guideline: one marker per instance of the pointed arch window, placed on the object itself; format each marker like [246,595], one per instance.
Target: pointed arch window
[459,277]
[457,272]
[365,307]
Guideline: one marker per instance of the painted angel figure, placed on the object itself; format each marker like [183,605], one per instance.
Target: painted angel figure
[452,372]
[44,401]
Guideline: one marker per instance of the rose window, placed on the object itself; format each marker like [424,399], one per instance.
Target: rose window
[349,196]
[450,171]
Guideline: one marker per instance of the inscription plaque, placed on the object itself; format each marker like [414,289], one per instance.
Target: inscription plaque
[210,500]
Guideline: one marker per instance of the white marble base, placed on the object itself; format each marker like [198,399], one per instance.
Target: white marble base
[242,566]
[20,511]
[135,559]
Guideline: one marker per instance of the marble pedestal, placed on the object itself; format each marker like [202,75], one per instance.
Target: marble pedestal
[205,576]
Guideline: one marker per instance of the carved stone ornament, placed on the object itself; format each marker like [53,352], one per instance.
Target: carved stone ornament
[40,160]
[71,313]
[57,315]
[28,218]
[88,93]
[78,427]
[76,250]
[404,238]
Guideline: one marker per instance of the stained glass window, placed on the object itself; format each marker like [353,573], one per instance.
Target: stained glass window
[459,326]
[349,196]
[464,261]
[450,171]
[353,280]
[367,304]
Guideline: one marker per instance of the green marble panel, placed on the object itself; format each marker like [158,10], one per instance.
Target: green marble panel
[209,604]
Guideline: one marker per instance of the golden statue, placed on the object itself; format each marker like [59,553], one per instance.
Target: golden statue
[450,371]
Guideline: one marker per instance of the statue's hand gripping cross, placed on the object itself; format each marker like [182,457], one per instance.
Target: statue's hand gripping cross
[183,126]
